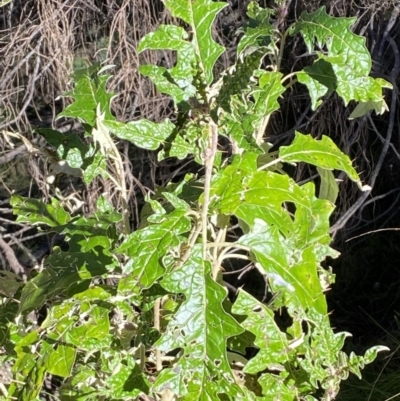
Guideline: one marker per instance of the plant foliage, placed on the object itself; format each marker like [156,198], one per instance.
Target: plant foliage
[146,312]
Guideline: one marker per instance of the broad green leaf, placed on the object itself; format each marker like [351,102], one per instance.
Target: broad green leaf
[88,232]
[252,195]
[315,89]
[329,188]
[142,133]
[271,342]
[84,265]
[98,167]
[89,94]
[297,276]
[321,153]
[335,34]
[345,66]
[200,15]
[165,84]
[36,212]
[61,360]
[200,328]
[261,188]
[147,247]
[94,325]
[177,81]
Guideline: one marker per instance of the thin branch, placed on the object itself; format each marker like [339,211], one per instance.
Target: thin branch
[12,260]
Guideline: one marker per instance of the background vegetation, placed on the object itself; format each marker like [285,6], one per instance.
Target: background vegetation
[42,43]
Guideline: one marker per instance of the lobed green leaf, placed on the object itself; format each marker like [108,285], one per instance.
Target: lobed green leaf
[200,328]
[200,15]
[89,94]
[345,65]
[321,153]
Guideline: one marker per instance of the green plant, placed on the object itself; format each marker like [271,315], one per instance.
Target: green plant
[146,312]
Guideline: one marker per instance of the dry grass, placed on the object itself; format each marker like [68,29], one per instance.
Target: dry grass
[43,41]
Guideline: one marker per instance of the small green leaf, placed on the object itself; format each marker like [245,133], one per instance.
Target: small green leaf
[61,360]
[33,211]
[329,188]
[177,81]
[69,146]
[266,95]
[98,167]
[89,94]
[371,353]
[258,32]
[93,330]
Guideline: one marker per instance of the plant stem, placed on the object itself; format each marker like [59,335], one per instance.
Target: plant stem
[209,158]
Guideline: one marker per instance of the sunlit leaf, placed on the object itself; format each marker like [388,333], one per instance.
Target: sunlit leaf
[345,65]
[142,133]
[200,15]
[321,153]
[89,94]
[146,248]
[61,360]
[200,328]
